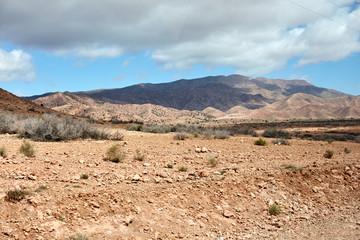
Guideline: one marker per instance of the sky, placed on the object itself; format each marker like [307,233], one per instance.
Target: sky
[80,45]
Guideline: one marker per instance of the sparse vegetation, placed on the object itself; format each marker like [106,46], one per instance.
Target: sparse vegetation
[328,154]
[275,209]
[84,176]
[293,168]
[281,141]
[27,149]
[260,142]
[347,150]
[181,136]
[183,169]
[276,133]
[169,165]
[135,127]
[49,127]
[139,156]
[41,188]
[79,236]
[3,152]
[114,154]
[16,195]
[155,128]
[213,162]
[221,134]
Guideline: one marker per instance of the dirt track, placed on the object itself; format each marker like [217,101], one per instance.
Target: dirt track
[229,200]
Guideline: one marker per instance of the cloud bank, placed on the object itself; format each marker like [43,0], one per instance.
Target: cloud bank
[16,65]
[254,37]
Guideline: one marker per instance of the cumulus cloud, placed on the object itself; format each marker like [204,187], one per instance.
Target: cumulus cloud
[16,65]
[254,37]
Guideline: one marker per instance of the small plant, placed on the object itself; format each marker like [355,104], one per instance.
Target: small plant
[84,176]
[293,168]
[139,156]
[181,136]
[222,172]
[213,162]
[275,209]
[41,188]
[169,165]
[3,152]
[221,134]
[347,150]
[260,142]
[330,141]
[281,141]
[114,154]
[183,169]
[16,195]
[61,219]
[328,154]
[79,236]
[27,149]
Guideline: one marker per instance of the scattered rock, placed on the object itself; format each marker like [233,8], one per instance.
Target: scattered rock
[136,177]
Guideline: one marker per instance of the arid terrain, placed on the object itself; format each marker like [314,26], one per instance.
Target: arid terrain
[319,197]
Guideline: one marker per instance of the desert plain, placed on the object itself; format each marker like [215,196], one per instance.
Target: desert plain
[175,192]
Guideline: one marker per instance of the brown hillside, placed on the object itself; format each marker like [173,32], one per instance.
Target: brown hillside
[11,103]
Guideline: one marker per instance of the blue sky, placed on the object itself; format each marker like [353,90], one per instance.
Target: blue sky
[84,45]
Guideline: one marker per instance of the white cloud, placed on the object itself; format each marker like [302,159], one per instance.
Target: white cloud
[16,65]
[254,37]
[119,78]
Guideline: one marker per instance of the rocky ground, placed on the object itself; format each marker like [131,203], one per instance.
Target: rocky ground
[319,197]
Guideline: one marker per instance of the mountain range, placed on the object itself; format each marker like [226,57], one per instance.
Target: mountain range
[221,97]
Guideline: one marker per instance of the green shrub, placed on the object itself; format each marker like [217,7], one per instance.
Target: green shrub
[213,162]
[135,127]
[276,133]
[347,150]
[155,128]
[275,209]
[139,156]
[169,165]
[27,149]
[328,154]
[84,176]
[3,152]
[15,195]
[183,169]
[260,142]
[114,154]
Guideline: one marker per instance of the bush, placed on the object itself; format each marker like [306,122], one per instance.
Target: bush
[183,169]
[276,133]
[213,161]
[221,134]
[84,176]
[135,127]
[281,142]
[41,188]
[169,165]
[154,128]
[328,154]
[15,195]
[114,154]
[260,142]
[347,150]
[139,156]
[275,209]
[27,149]
[8,123]
[3,152]
[181,136]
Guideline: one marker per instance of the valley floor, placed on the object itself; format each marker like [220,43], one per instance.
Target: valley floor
[319,197]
